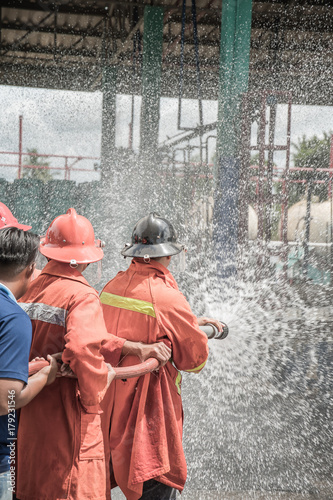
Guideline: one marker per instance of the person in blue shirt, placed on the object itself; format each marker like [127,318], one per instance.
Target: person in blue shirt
[18,252]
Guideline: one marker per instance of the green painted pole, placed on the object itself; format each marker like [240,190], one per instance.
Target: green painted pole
[109,86]
[151,79]
[233,81]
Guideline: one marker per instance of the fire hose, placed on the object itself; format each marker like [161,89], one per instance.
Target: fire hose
[147,366]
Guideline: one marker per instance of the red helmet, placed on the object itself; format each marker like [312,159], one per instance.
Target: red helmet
[70,238]
[7,219]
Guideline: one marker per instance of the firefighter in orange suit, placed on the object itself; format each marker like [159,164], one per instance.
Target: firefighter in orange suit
[144,303]
[61,451]
[7,219]
[60,443]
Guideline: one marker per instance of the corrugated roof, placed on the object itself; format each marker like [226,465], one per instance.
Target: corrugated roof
[65,44]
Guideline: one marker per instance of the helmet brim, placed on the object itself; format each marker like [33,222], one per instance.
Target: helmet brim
[85,255]
[17,225]
[154,251]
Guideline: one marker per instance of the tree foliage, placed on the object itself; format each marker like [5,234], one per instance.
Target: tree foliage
[41,171]
[311,153]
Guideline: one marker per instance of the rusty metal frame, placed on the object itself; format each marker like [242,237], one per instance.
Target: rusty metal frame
[265,172]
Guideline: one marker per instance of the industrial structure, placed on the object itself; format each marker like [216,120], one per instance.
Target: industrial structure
[66,44]
[260,417]
[249,55]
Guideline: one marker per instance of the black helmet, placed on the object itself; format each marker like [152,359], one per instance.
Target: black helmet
[152,237]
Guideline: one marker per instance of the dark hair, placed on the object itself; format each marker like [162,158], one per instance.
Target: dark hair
[18,249]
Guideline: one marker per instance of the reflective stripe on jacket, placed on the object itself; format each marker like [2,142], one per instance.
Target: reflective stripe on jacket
[61,451]
[144,304]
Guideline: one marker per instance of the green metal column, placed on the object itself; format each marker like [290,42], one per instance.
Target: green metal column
[233,81]
[109,86]
[151,79]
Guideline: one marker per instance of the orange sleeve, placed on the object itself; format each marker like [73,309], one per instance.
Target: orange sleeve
[180,325]
[111,349]
[85,334]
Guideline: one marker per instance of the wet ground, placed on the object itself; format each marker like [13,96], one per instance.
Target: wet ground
[240,495]
[250,495]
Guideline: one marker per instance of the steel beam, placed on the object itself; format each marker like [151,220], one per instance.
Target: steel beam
[61,30]
[233,82]
[52,6]
[9,49]
[93,10]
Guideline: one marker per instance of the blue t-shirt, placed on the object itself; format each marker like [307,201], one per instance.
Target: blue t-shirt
[15,342]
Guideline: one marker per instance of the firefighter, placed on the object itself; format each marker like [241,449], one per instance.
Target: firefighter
[7,219]
[144,304]
[60,443]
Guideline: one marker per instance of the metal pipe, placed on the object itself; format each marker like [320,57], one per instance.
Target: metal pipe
[181,74]
[19,174]
[307,228]
[272,102]
[285,196]
[330,170]
[151,80]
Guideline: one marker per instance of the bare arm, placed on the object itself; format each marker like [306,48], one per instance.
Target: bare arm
[159,350]
[22,394]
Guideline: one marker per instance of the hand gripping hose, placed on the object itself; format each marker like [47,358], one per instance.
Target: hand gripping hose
[123,372]
[147,366]
[212,332]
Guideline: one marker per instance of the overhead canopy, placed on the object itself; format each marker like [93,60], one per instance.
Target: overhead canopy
[64,45]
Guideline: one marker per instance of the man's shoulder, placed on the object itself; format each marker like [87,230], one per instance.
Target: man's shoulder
[118,278]
[59,288]
[15,340]
[15,321]
[5,300]
[166,294]
[10,309]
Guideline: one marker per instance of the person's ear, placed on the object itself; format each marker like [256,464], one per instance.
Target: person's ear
[30,269]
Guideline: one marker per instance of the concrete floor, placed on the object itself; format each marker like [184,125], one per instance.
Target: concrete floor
[240,495]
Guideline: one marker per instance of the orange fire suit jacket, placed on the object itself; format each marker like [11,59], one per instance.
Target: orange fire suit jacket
[144,304]
[60,444]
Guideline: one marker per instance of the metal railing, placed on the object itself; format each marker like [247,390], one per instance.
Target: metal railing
[67,168]
[68,160]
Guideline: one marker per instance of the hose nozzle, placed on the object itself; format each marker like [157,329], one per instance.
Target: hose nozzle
[212,332]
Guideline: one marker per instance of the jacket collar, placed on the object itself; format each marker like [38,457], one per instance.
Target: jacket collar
[153,267]
[8,292]
[63,270]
